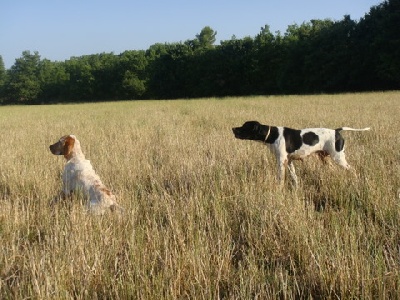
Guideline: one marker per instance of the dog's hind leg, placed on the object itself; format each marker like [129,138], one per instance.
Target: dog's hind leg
[340,159]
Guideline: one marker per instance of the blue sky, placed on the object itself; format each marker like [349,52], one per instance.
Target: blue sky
[59,29]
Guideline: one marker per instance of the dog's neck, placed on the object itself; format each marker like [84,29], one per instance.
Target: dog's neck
[76,153]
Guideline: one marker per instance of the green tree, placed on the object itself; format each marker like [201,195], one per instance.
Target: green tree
[236,66]
[169,72]
[53,81]
[82,82]
[104,68]
[2,71]
[293,50]
[133,87]
[377,47]
[132,66]
[2,78]
[206,37]
[23,84]
[327,62]
[266,61]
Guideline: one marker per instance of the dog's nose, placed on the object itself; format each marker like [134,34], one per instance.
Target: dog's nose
[52,150]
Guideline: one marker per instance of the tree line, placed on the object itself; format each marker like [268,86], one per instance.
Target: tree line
[319,56]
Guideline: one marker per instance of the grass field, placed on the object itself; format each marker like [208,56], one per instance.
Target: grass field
[204,217]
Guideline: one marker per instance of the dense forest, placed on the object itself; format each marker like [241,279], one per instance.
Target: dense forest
[319,56]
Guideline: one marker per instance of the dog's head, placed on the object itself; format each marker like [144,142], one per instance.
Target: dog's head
[251,130]
[64,146]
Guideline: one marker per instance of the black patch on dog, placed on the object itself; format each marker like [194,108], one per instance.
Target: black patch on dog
[339,141]
[292,139]
[310,138]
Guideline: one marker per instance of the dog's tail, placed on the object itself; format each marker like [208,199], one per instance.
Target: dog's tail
[352,129]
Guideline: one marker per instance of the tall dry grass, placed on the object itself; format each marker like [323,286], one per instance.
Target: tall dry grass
[204,217]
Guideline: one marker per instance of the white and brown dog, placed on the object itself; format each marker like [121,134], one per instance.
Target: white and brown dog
[292,144]
[79,176]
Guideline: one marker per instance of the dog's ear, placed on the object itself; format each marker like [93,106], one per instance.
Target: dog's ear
[69,142]
[262,129]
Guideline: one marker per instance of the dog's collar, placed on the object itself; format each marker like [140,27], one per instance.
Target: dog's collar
[269,131]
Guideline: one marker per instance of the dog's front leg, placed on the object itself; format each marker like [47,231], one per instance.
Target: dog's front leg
[281,171]
[292,172]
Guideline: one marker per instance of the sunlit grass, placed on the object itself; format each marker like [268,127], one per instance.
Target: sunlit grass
[204,217]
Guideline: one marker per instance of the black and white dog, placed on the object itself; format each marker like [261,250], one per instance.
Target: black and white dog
[292,144]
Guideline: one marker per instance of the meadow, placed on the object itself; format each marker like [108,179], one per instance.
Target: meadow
[204,218]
